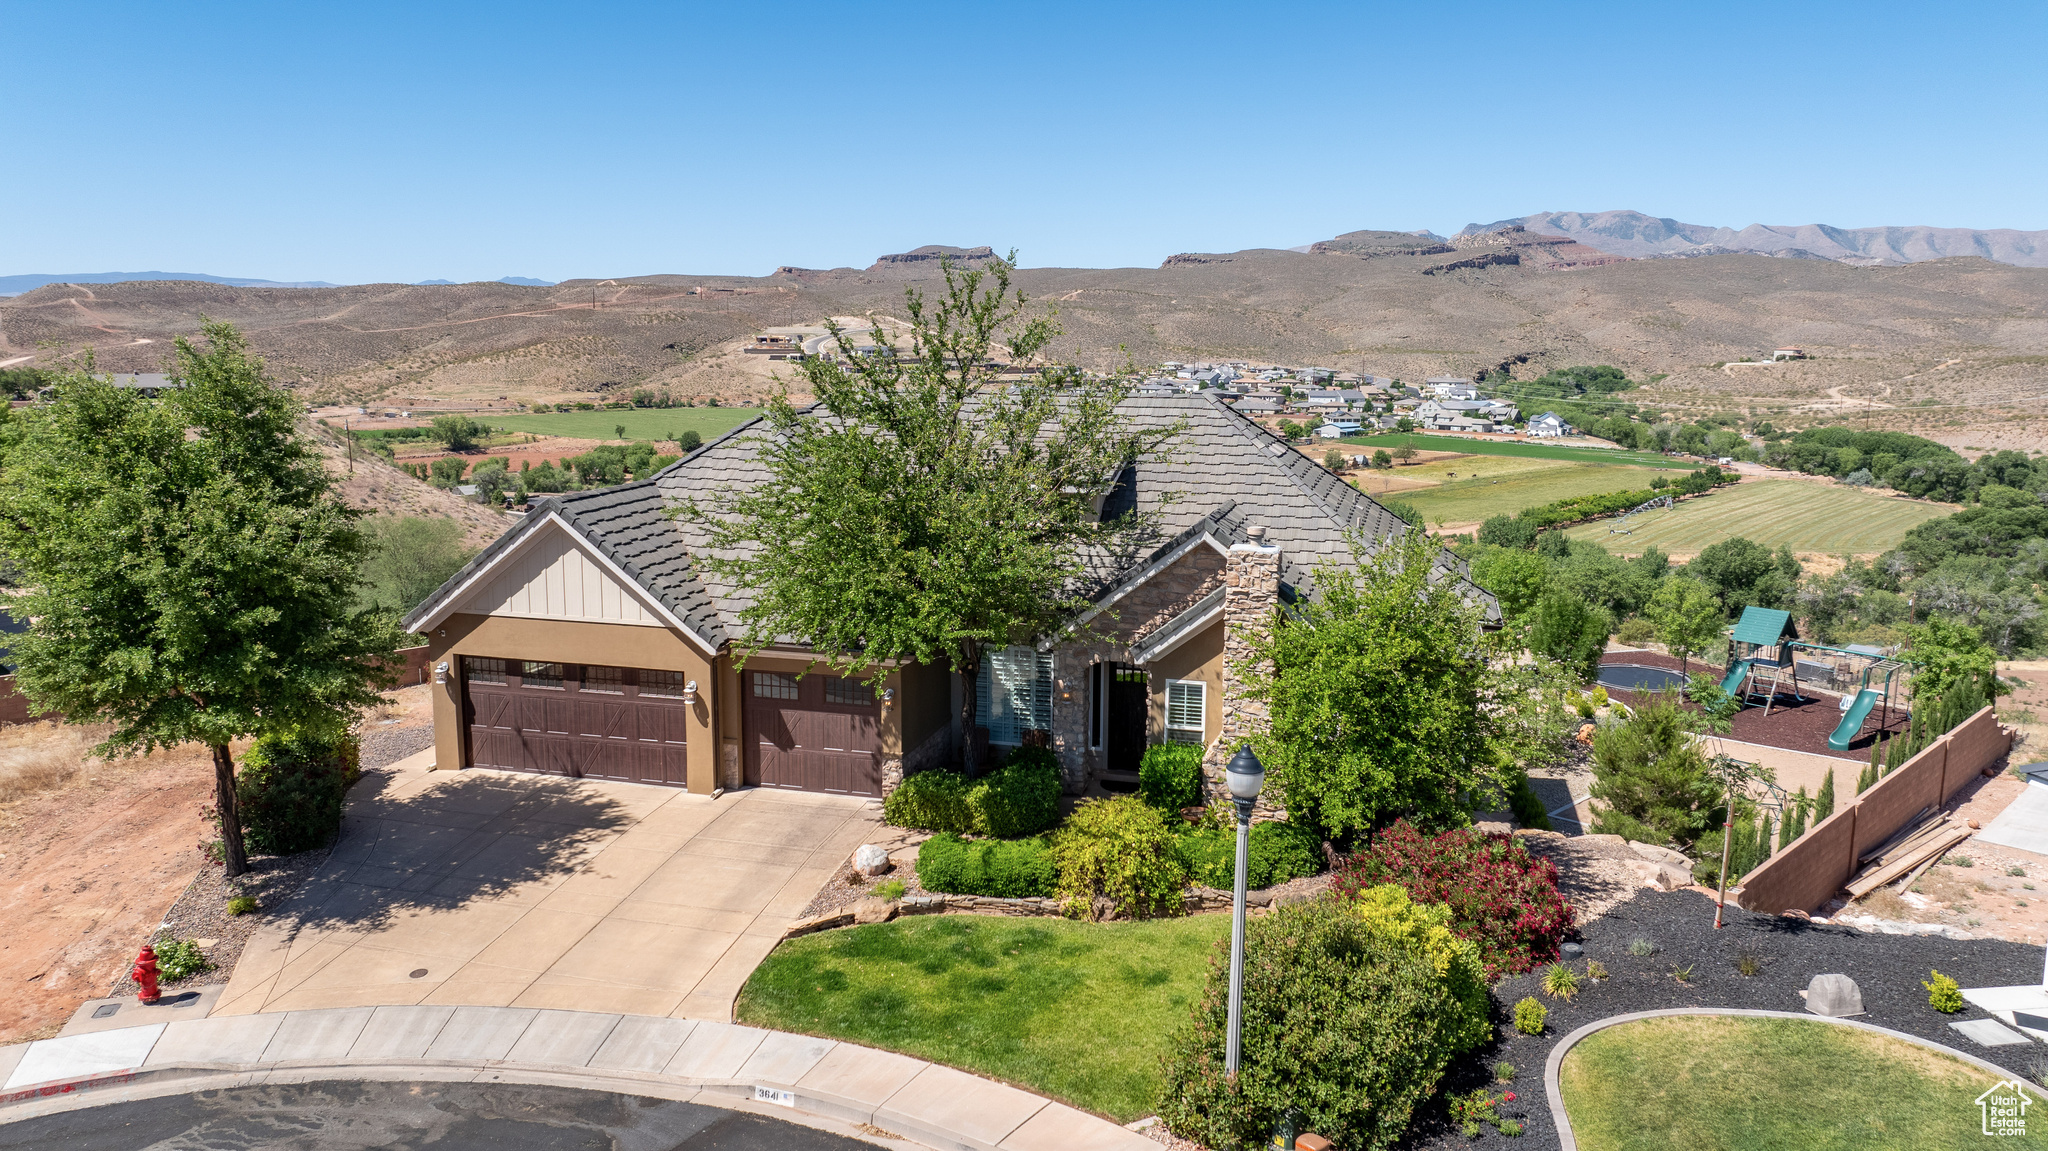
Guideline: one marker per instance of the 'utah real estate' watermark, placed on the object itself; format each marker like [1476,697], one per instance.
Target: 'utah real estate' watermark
[2004,1109]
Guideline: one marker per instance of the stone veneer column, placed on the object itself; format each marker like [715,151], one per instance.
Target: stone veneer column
[1251,596]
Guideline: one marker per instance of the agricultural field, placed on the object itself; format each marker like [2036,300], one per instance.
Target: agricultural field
[640,423]
[1805,517]
[1424,442]
[1470,498]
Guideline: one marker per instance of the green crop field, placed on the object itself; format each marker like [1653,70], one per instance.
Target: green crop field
[1424,442]
[1805,517]
[641,423]
[1471,500]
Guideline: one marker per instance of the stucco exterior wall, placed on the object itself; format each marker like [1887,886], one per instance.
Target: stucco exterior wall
[1199,658]
[578,642]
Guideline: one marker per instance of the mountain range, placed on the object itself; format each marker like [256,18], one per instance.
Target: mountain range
[1627,233]
[16,285]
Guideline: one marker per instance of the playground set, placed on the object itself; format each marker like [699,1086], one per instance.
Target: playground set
[1766,657]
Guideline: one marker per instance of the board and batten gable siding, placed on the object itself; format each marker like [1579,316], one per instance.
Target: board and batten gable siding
[554,576]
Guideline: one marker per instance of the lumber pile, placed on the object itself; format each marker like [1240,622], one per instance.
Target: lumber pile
[1909,852]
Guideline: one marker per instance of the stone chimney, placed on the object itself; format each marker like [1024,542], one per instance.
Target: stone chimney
[1251,596]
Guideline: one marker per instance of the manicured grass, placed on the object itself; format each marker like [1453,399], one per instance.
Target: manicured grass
[1424,442]
[1805,517]
[641,423]
[1708,1083]
[1077,1011]
[1466,501]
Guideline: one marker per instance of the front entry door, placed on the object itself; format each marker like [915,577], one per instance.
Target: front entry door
[1129,706]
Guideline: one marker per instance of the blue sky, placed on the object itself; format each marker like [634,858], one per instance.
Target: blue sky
[371,141]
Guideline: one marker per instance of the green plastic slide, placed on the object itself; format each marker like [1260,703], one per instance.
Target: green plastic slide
[1852,720]
[1735,678]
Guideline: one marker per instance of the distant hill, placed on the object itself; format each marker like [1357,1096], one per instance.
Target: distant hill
[16,285]
[1626,233]
[522,281]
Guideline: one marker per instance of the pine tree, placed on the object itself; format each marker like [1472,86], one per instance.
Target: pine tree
[1794,824]
[1865,778]
[1824,803]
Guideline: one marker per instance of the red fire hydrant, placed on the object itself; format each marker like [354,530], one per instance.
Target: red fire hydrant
[145,974]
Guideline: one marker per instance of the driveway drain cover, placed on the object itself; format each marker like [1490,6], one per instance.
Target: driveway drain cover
[419,973]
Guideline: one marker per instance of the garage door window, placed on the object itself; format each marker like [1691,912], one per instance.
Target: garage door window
[609,680]
[668,684]
[849,693]
[1013,694]
[533,674]
[774,685]
[484,670]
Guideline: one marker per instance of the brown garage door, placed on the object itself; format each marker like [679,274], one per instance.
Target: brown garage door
[592,722]
[815,733]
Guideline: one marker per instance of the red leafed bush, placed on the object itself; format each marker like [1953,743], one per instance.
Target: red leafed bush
[1501,897]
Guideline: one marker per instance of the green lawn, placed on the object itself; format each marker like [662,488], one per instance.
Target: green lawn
[1805,517]
[641,423]
[1727,1083]
[1470,500]
[1077,1011]
[1424,442]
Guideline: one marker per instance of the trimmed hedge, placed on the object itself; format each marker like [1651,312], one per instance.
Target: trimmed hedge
[1278,852]
[1352,1013]
[289,792]
[1008,869]
[1020,798]
[1170,775]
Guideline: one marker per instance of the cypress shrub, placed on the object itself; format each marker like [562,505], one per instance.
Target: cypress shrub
[289,792]
[1009,869]
[1170,775]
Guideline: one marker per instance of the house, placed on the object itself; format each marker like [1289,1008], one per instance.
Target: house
[1260,405]
[1549,425]
[587,641]
[1451,388]
[1788,354]
[1338,429]
[1332,397]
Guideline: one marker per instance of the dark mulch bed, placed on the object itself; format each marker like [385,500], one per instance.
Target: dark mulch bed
[1792,725]
[200,911]
[1888,969]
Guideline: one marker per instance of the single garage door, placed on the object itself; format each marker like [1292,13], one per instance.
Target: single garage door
[620,723]
[814,733]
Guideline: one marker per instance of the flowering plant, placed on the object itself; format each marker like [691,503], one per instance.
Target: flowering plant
[1501,897]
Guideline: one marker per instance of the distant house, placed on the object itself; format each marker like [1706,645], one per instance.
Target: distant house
[1788,354]
[1549,425]
[1451,388]
[1332,397]
[148,383]
[1259,406]
[1338,429]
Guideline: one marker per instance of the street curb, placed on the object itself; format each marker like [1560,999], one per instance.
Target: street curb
[1567,1142]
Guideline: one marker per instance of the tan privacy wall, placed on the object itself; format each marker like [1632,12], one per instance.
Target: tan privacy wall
[1821,862]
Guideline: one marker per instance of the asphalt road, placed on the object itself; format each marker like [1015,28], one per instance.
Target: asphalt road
[351,1116]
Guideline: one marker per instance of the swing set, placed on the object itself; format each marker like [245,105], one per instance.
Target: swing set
[1765,655]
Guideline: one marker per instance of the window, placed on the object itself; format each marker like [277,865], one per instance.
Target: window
[483,670]
[1185,711]
[849,693]
[774,685]
[533,674]
[610,680]
[668,684]
[1097,704]
[1013,694]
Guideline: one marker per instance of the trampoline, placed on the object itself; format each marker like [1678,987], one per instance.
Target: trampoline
[1637,677]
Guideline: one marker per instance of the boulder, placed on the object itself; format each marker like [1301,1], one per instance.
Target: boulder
[1662,876]
[1656,854]
[871,860]
[1834,996]
[872,910]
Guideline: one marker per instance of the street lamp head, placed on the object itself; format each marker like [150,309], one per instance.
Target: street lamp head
[1245,774]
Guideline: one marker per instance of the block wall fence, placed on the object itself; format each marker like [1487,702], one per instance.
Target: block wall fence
[1821,862]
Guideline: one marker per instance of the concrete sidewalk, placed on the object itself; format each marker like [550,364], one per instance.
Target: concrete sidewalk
[706,1062]
[490,888]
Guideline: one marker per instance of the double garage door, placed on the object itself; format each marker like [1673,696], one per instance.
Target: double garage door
[812,733]
[620,723]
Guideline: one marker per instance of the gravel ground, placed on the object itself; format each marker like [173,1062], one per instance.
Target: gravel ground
[200,911]
[1680,924]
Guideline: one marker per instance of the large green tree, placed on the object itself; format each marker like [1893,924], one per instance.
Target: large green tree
[190,573]
[1687,617]
[931,504]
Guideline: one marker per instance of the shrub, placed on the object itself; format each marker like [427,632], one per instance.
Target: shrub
[179,959]
[1530,1016]
[1560,982]
[289,792]
[1501,897]
[930,801]
[242,905]
[1278,852]
[1943,994]
[1526,804]
[1122,851]
[1636,631]
[1346,1022]
[1170,775]
[1020,798]
[1653,780]
[890,890]
[1004,868]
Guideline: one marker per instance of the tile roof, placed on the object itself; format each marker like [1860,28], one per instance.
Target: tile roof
[1223,475]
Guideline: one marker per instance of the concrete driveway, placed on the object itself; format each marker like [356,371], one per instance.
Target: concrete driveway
[495,889]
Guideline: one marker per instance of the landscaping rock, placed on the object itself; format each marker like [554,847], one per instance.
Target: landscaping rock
[871,860]
[872,910]
[1656,854]
[1662,876]
[1834,996]
[831,919]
